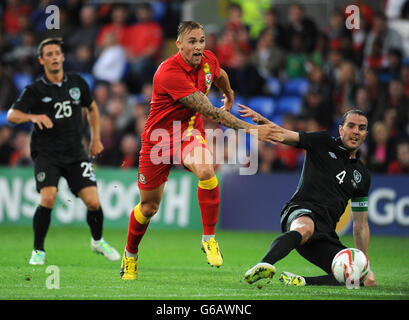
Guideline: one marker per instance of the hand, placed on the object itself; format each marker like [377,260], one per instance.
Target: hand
[270,132]
[95,147]
[247,112]
[227,103]
[371,280]
[42,120]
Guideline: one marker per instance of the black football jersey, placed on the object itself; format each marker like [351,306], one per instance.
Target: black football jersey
[62,103]
[329,177]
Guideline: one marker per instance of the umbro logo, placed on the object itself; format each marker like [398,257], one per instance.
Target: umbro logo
[46,99]
[333,156]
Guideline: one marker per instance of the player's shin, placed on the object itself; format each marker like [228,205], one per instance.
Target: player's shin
[41,222]
[138,224]
[209,201]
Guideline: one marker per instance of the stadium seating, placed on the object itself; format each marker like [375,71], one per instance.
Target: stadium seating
[274,86]
[264,105]
[21,80]
[295,87]
[289,104]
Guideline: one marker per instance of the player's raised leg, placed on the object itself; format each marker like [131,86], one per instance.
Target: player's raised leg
[138,224]
[41,223]
[200,162]
[95,220]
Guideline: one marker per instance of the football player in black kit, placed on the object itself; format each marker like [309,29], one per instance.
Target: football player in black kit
[332,175]
[53,103]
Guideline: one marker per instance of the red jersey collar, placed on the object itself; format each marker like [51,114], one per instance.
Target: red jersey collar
[184,65]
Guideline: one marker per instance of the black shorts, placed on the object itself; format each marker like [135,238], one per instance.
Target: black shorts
[79,174]
[323,245]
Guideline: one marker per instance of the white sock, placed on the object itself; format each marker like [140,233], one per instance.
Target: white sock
[131,255]
[95,242]
[206,237]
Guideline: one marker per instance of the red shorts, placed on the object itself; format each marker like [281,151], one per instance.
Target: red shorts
[156,159]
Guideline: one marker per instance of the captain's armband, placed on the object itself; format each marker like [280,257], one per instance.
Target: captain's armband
[359,204]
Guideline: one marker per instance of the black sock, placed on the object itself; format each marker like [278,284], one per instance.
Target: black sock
[95,221]
[327,280]
[282,246]
[41,222]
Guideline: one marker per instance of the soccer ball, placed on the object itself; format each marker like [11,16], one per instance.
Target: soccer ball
[348,262]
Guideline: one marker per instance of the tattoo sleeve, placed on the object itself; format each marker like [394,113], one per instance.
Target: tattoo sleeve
[200,103]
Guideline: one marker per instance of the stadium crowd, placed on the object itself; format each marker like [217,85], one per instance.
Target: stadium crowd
[296,74]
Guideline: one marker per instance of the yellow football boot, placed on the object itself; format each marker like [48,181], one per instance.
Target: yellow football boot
[129,268]
[213,253]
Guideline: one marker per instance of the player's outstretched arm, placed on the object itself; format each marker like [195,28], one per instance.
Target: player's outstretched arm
[17,117]
[289,137]
[361,238]
[200,103]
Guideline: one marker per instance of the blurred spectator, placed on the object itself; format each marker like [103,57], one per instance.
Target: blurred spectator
[337,30]
[288,155]
[319,55]
[101,95]
[8,90]
[317,78]
[110,64]
[393,67]
[252,15]
[21,153]
[117,26]
[268,58]
[401,164]
[386,37]
[82,61]
[399,102]
[405,79]
[296,62]
[345,88]
[362,101]
[268,160]
[129,151]
[14,13]
[301,25]
[375,59]
[377,91]
[379,148]
[6,146]
[234,42]
[86,32]
[143,45]
[110,140]
[273,25]
[314,107]
[332,65]
[24,56]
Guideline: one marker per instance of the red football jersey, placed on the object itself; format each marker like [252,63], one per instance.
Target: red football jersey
[173,80]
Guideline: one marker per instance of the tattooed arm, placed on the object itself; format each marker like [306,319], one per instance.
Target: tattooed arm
[223,83]
[200,103]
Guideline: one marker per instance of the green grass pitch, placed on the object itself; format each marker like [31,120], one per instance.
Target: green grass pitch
[172,267]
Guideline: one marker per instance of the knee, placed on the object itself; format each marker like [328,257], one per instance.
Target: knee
[92,204]
[48,199]
[205,172]
[149,209]
[305,226]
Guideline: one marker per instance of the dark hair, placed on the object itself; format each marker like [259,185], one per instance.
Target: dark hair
[45,42]
[353,111]
[187,26]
